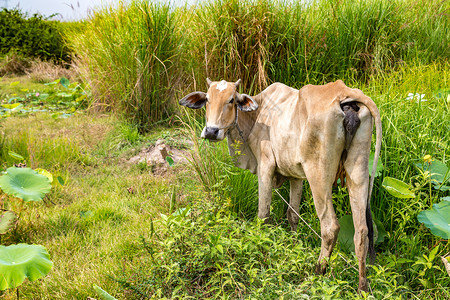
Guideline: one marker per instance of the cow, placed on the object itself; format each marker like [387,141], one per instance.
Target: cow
[317,134]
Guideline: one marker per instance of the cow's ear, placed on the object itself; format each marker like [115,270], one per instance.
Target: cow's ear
[246,103]
[194,100]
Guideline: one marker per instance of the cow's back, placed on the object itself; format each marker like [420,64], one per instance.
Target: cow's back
[298,124]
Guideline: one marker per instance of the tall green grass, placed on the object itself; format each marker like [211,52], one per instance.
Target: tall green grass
[128,53]
[140,56]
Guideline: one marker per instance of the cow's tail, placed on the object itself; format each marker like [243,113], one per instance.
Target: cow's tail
[378,132]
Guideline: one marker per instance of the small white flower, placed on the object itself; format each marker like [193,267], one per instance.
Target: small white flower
[417,96]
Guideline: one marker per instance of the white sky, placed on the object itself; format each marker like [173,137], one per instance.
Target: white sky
[68,9]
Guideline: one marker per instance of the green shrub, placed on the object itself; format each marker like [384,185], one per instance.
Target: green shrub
[33,36]
[206,252]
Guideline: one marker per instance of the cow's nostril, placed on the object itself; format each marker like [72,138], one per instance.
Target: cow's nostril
[211,133]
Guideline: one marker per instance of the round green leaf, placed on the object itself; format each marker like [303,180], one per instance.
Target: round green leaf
[170,161]
[64,82]
[25,183]
[347,232]
[397,188]
[437,219]
[8,220]
[18,262]
[45,173]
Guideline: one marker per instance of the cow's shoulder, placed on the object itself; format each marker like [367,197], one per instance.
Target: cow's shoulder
[279,88]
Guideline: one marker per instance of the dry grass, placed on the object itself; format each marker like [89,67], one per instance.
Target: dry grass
[14,64]
[37,70]
[46,71]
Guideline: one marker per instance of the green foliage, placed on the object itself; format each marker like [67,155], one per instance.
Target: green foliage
[18,262]
[33,36]
[207,252]
[398,188]
[103,294]
[138,78]
[63,98]
[25,183]
[438,172]
[162,48]
[347,232]
[437,219]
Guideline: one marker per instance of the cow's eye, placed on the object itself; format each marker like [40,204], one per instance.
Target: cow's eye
[231,101]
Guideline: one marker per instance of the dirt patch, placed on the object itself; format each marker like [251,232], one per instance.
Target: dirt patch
[160,157]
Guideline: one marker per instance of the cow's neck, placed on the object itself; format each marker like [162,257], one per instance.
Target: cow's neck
[238,144]
[245,123]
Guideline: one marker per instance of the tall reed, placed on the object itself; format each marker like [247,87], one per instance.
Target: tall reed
[129,54]
[139,55]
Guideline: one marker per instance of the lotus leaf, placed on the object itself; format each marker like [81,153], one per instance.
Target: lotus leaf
[25,183]
[347,232]
[397,188]
[64,82]
[8,220]
[170,161]
[45,173]
[439,171]
[21,261]
[437,219]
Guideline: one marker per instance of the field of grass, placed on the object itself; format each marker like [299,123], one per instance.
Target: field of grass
[91,225]
[190,232]
[94,225]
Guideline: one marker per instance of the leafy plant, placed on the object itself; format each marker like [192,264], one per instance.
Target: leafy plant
[32,36]
[18,262]
[63,100]
[21,261]
[347,232]
[25,183]
[398,188]
[436,173]
[437,219]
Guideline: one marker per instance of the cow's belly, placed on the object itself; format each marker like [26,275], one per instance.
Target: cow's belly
[288,156]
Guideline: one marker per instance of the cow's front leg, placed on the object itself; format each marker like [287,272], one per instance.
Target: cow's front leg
[266,169]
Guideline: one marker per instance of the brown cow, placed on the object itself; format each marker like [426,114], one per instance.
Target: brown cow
[296,135]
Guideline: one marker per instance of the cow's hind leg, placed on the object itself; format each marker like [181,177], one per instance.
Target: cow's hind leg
[296,188]
[321,188]
[356,167]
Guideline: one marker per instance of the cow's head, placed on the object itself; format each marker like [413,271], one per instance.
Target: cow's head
[222,101]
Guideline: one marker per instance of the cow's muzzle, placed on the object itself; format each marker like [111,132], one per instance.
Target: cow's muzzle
[213,133]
